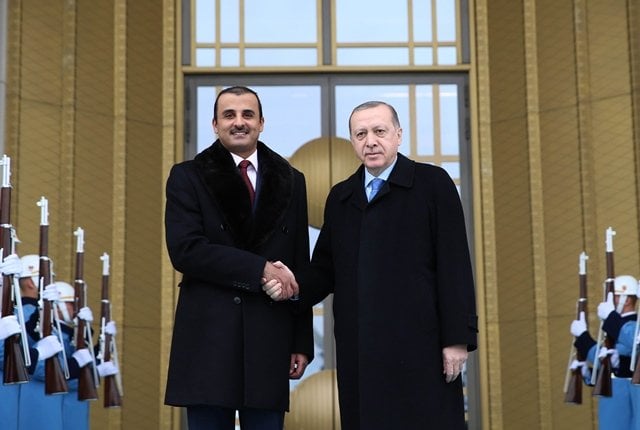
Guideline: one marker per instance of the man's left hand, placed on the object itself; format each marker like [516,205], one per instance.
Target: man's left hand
[299,364]
[453,359]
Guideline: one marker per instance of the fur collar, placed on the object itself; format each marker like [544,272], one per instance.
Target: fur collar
[275,190]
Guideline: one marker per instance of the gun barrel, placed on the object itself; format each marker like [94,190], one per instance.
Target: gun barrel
[602,366]
[15,369]
[86,381]
[112,395]
[55,381]
[573,378]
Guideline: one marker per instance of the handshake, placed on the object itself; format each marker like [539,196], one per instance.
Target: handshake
[279,282]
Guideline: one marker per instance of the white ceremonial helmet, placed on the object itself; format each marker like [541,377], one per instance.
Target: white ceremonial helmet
[623,286]
[31,267]
[67,294]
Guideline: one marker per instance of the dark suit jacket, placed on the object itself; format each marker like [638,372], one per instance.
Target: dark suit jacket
[231,344]
[401,275]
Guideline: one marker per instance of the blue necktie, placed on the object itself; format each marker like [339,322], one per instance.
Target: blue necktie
[376,184]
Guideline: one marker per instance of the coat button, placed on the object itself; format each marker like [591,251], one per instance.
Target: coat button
[285,230]
[222,227]
[237,300]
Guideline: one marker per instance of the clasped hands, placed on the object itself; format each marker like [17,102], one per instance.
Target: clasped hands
[279,282]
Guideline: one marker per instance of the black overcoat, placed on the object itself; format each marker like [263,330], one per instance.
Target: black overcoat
[400,271]
[231,344]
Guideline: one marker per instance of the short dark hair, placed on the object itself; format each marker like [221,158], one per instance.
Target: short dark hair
[237,90]
[372,104]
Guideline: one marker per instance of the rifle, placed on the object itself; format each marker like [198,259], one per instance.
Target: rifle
[86,379]
[108,351]
[635,378]
[602,377]
[573,380]
[55,381]
[15,360]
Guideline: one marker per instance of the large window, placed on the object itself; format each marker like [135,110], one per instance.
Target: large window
[312,62]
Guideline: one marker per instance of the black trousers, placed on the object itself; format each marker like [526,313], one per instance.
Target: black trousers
[217,418]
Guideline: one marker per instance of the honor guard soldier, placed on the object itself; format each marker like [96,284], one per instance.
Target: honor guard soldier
[618,316]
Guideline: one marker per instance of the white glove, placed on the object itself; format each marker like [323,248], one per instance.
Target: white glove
[11,265]
[110,328]
[9,326]
[83,357]
[107,368]
[605,308]
[85,314]
[579,326]
[615,359]
[51,293]
[48,347]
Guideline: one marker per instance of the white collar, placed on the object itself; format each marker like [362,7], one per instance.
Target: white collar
[253,159]
[384,175]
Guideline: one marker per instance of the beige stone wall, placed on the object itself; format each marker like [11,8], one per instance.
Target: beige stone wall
[93,112]
[90,126]
[557,166]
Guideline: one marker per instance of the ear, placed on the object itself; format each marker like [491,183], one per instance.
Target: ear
[214,125]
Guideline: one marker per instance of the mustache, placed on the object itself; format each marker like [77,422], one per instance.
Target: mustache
[239,130]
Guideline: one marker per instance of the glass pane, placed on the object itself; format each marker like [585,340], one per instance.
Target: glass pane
[423,56]
[292,116]
[304,103]
[453,169]
[318,362]
[373,56]
[424,117]
[422,30]
[205,57]
[279,104]
[348,97]
[449,131]
[446,18]
[205,14]
[230,57]
[318,339]
[278,21]
[205,97]
[371,21]
[281,57]
[229,22]
[447,55]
